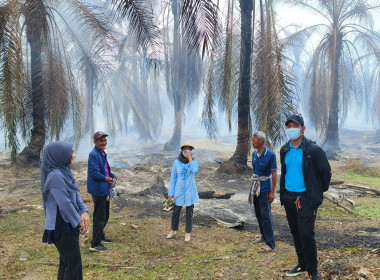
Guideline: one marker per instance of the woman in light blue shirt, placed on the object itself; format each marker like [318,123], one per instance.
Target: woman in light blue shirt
[182,189]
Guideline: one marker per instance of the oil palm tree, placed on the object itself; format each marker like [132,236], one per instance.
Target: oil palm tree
[42,49]
[372,94]
[228,82]
[335,75]
[195,29]
[376,110]
[239,158]
[263,95]
[135,95]
[183,71]
[133,92]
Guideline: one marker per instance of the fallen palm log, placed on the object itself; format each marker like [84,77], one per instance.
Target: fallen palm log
[237,225]
[213,194]
[337,200]
[335,182]
[363,189]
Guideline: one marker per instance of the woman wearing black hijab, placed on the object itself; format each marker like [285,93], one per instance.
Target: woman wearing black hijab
[65,213]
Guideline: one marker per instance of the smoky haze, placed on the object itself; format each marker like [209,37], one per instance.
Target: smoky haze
[140,110]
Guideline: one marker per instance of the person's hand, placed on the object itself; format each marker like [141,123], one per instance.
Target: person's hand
[108,198]
[188,155]
[271,197]
[113,180]
[84,224]
[170,197]
[109,180]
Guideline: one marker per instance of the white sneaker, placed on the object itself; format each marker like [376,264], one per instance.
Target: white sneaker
[171,234]
[187,237]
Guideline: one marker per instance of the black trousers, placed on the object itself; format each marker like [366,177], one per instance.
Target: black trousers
[100,218]
[302,223]
[189,217]
[264,218]
[70,261]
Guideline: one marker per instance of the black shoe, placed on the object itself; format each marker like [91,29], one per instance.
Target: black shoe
[315,276]
[99,247]
[107,240]
[295,271]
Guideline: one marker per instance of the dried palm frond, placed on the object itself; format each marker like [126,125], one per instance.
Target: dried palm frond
[222,82]
[12,75]
[273,96]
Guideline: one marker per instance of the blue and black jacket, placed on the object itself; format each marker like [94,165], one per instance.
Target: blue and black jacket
[96,174]
[316,171]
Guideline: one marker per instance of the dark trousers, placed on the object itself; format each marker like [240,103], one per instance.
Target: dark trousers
[70,262]
[264,218]
[100,218]
[302,223]
[189,217]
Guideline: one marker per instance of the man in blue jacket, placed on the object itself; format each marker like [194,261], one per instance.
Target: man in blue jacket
[305,175]
[99,180]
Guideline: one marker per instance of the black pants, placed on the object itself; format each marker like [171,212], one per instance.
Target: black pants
[70,262]
[189,217]
[302,223]
[264,218]
[100,218]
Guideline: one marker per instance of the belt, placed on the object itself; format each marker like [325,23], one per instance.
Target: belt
[295,193]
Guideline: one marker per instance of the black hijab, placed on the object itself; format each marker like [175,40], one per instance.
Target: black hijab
[56,158]
[182,158]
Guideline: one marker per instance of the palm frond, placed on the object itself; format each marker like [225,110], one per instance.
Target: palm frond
[323,7]
[201,25]
[208,119]
[140,16]
[357,11]
[272,84]
[91,19]
[12,74]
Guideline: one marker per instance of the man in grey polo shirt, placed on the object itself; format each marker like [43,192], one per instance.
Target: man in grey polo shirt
[305,175]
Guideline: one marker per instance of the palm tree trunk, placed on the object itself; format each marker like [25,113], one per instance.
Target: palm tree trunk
[30,156]
[176,92]
[89,122]
[175,142]
[238,162]
[377,136]
[331,144]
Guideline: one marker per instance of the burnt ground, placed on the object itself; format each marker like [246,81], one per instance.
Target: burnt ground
[151,175]
[335,232]
[330,233]
[143,179]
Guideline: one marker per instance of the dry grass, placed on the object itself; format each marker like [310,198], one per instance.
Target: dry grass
[357,167]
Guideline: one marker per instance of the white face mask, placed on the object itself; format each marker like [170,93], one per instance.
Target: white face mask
[188,151]
[293,133]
